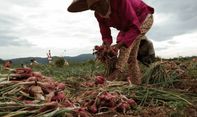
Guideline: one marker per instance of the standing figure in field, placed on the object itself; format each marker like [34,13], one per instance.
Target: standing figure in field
[133,19]
[49,57]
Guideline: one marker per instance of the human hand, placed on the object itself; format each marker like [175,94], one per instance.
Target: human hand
[118,45]
[106,45]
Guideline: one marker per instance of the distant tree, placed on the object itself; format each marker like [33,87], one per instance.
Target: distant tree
[59,62]
[1,61]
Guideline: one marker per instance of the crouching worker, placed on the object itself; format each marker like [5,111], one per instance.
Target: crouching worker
[146,52]
[7,65]
[33,62]
[133,18]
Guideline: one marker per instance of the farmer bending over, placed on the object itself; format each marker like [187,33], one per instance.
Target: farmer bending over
[133,18]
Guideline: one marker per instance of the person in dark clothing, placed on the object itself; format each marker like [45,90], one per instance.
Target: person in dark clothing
[146,52]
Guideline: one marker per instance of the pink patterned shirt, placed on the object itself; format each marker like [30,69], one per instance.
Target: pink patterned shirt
[126,16]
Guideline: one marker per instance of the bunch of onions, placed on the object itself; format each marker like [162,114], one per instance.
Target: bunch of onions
[109,101]
[36,91]
[99,80]
[104,53]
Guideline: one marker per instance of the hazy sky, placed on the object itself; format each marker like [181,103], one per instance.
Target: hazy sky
[32,27]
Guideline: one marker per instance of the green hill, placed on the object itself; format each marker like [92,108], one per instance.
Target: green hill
[79,58]
[1,61]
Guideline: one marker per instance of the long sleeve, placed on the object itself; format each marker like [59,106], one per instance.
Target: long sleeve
[129,15]
[104,30]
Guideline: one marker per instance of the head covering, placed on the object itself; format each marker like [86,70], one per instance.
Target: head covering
[91,2]
[81,5]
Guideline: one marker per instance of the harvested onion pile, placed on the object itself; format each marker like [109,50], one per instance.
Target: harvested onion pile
[97,102]
[28,93]
[31,92]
